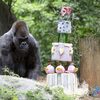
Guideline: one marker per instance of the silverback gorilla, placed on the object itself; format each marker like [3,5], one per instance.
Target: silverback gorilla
[19,51]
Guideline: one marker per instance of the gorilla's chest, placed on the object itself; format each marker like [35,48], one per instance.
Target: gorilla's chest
[19,57]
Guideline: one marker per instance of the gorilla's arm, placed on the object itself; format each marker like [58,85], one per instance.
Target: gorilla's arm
[5,54]
[34,55]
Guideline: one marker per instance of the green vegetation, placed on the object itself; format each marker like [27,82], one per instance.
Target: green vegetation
[58,94]
[10,93]
[36,95]
[7,71]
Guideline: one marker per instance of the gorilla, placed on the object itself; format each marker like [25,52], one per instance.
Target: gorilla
[19,51]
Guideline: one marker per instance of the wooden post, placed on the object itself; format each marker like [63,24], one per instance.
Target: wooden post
[90,61]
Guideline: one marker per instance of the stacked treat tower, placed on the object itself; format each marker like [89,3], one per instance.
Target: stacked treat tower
[62,51]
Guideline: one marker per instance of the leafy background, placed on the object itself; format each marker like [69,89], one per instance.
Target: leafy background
[42,16]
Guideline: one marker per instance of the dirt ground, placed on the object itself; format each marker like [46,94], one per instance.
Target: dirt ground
[89,98]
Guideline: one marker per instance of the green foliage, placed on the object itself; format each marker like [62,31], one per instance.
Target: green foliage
[48,90]
[7,71]
[58,94]
[9,3]
[45,93]
[36,95]
[8,93]
[42,16]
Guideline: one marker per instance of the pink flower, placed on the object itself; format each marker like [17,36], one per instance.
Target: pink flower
[66,10]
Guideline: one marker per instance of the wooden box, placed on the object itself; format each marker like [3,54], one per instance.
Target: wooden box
[68,81]
[62,51]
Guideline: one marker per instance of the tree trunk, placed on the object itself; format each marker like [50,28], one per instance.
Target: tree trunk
[6,18]
[90,61]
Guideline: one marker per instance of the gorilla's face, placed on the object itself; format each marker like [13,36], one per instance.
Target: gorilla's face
[21,44]
[20,39]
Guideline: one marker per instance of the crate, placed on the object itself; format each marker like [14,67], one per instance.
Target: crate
[68,81]
[62,51]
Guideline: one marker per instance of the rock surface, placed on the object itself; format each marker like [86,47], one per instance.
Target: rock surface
[21,84]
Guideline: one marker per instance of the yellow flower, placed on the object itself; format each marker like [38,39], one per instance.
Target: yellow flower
[61,50]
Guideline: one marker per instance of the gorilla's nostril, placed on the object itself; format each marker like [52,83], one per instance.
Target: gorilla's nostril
[23,43]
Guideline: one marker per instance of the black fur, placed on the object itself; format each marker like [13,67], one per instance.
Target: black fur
[19,51]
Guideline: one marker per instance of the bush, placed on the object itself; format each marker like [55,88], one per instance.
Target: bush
[8,93]
[58,94]
[36,95]
[46,93]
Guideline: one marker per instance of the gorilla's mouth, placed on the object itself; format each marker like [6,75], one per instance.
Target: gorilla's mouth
[24,46]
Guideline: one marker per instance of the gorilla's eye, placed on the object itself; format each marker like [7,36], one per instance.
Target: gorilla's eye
[20,40]
[23,38]
[4,52]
